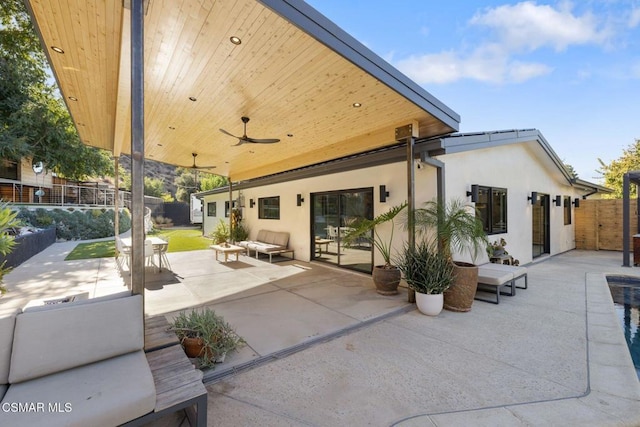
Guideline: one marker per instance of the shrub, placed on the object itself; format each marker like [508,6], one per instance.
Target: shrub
[75,224]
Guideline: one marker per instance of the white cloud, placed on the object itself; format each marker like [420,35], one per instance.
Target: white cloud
[529,26]
[634,18]
[488,63]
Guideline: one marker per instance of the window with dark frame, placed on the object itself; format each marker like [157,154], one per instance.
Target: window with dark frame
[9,169]
[269,207]
[492,208]
[211,209]
[226,209]
[567,210]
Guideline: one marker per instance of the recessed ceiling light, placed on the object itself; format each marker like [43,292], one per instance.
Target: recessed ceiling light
[235,40]
[172,128]
[356,105]
[290,135]
[57,49]
[73,98]
[192,98]
[159,145]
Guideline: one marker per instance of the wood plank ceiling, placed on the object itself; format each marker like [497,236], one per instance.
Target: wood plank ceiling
[291,85]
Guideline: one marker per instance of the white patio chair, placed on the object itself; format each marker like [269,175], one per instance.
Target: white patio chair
[149,252]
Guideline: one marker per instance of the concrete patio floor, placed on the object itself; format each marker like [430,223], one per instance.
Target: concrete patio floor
[324,349]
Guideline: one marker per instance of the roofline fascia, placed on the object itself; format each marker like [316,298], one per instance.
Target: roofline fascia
[505,137]
[328,33]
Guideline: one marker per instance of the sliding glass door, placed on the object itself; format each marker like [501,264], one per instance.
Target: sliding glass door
[334,214]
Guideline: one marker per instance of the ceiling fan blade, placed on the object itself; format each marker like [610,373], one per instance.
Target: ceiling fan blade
[227,133]
[263,141]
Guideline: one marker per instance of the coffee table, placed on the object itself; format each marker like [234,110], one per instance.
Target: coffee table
[226,250]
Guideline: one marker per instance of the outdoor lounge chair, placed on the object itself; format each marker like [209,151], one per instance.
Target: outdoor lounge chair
[498,276]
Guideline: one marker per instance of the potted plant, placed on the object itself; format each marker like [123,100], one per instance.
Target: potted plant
[456,229]
[386,277]
[496,248]
[429,273]
[205,335]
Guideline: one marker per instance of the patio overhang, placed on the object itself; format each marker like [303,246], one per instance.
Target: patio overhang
[295,74]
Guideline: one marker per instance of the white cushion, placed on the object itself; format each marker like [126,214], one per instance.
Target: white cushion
[7,324]
[515,270]
[493,277]
[50,341]
[106,393]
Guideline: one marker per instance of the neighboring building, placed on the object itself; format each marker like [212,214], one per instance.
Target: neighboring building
[503,168]
[20,184]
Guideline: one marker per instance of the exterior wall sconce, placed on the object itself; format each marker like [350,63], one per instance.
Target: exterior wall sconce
[299,200]
[383,193]
[558,201]
[533,197]
[576,202]
[252,203]
[473,193]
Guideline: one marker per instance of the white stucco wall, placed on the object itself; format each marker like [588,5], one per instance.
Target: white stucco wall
[297,219]
[520,170]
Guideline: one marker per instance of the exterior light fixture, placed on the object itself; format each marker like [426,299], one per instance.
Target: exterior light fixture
[474,193]
[533,197]
[356,105]
[252,203]
[57,49]
[299,200]
[235,40]
[192,98]
[383,193]
[558,201]
[576,202]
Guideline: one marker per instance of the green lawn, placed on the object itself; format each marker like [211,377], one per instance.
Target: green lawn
[180,240]
[102,249]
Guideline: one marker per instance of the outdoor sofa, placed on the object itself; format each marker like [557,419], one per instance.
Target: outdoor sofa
[496,278]
[268,242]
[76,363]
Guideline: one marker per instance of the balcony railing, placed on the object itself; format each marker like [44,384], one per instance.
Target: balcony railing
[59,195]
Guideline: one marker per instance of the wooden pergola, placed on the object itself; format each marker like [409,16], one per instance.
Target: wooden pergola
[158,79]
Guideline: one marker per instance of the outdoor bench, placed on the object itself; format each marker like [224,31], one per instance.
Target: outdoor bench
[268,242]
[76,364]
[498,277]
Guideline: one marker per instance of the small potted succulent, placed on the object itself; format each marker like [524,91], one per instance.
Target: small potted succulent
[205,335]
[496,248]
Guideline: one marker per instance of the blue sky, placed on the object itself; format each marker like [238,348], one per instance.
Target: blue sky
[569,69]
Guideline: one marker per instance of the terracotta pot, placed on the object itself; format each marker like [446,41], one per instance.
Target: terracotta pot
[386,279]
[193,347]
[459,297]
[429,304]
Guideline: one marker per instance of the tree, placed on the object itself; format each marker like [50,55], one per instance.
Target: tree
[186,183]
[34,122]
[613,173]
[571,170]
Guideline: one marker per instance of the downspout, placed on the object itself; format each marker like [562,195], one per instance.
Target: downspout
[625,220]
[439,165]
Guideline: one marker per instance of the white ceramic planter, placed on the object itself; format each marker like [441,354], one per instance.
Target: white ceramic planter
[431,305]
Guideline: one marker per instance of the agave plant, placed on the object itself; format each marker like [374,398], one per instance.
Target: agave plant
[367,229]
[7,220]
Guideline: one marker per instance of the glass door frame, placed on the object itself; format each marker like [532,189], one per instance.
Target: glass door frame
[369,196]
[544,204]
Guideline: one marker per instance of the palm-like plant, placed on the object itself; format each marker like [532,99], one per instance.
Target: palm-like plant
[367,229]
[7,221]
[455,225]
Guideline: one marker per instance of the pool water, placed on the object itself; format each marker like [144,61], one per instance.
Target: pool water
[625,291]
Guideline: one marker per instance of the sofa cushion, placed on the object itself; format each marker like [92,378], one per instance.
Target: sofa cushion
[514,269]
[106,393]
[3,390]
[280,239]
[262,236]
[80,298]
[49,341]
[7,324]
[493,277]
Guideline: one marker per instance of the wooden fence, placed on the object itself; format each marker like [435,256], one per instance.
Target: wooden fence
[599,224]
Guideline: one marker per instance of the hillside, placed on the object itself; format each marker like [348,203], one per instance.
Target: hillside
[153,169]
